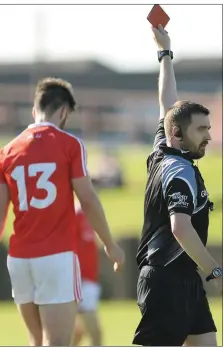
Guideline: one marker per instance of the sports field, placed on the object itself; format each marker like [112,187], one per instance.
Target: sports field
[119,320]
[124,211]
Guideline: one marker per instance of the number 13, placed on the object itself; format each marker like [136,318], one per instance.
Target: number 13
[47,169]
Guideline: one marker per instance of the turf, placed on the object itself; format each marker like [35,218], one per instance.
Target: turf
[119,320]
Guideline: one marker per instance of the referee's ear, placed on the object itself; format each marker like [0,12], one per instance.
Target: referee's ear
[177,133]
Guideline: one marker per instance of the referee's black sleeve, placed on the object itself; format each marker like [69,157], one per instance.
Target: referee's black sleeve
[160,135]
[179,198]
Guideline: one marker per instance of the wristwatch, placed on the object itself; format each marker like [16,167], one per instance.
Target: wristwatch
[216,273]
[164,53]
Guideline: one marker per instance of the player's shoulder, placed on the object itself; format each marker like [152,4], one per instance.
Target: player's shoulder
[177,167]
[70,138]
[12,144]
[74,145]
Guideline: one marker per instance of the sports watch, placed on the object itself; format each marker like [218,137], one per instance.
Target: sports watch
[164,53]
[216,273]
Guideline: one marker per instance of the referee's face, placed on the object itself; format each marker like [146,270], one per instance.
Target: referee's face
[197,136]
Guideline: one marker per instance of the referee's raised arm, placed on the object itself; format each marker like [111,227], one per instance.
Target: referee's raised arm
[167,82]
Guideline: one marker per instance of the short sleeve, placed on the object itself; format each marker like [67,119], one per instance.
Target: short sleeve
[2,175]
[78,160]
[160,137]
[179,197]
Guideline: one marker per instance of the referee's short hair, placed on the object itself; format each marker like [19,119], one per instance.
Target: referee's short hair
[180,115]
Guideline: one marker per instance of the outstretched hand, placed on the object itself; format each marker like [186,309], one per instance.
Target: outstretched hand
[161,38]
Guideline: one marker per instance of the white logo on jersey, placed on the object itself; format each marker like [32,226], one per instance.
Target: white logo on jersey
[38,136]
[179,199]
[204,193]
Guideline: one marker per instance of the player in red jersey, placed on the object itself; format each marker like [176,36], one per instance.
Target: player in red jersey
[87,321]
[39,170]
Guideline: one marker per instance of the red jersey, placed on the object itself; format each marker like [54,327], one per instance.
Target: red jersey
[87,249]
[38,167]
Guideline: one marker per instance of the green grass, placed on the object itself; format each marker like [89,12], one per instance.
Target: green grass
[124,207]
[119,320]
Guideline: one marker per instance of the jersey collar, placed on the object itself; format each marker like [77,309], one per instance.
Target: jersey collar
[176,152]
[42,124]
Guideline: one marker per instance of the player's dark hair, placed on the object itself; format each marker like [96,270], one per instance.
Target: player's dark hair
[180,115]
[52,93]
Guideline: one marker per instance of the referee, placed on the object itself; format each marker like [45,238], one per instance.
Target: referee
[171,298]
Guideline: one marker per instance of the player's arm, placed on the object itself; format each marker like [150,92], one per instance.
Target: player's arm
[180,198]
[92,208]
[4,198]
[167,82]
[91,205]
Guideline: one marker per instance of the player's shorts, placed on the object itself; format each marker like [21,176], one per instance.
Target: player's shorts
[45,280]
[172,305]
[90,296]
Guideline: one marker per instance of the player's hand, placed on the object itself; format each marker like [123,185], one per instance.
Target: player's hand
[161,38]
[218,284]
[116,255]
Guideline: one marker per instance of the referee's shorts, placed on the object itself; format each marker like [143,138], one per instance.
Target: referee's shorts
[173,306]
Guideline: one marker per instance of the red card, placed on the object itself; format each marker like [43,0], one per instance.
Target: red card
[158,16]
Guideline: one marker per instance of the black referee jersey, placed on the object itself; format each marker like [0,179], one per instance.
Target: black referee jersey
[174,185]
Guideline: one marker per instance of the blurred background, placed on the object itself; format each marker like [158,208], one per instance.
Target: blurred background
[109,56]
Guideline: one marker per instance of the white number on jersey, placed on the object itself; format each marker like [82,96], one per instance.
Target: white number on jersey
[47,169]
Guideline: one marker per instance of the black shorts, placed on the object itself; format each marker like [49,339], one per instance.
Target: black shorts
[173,306]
